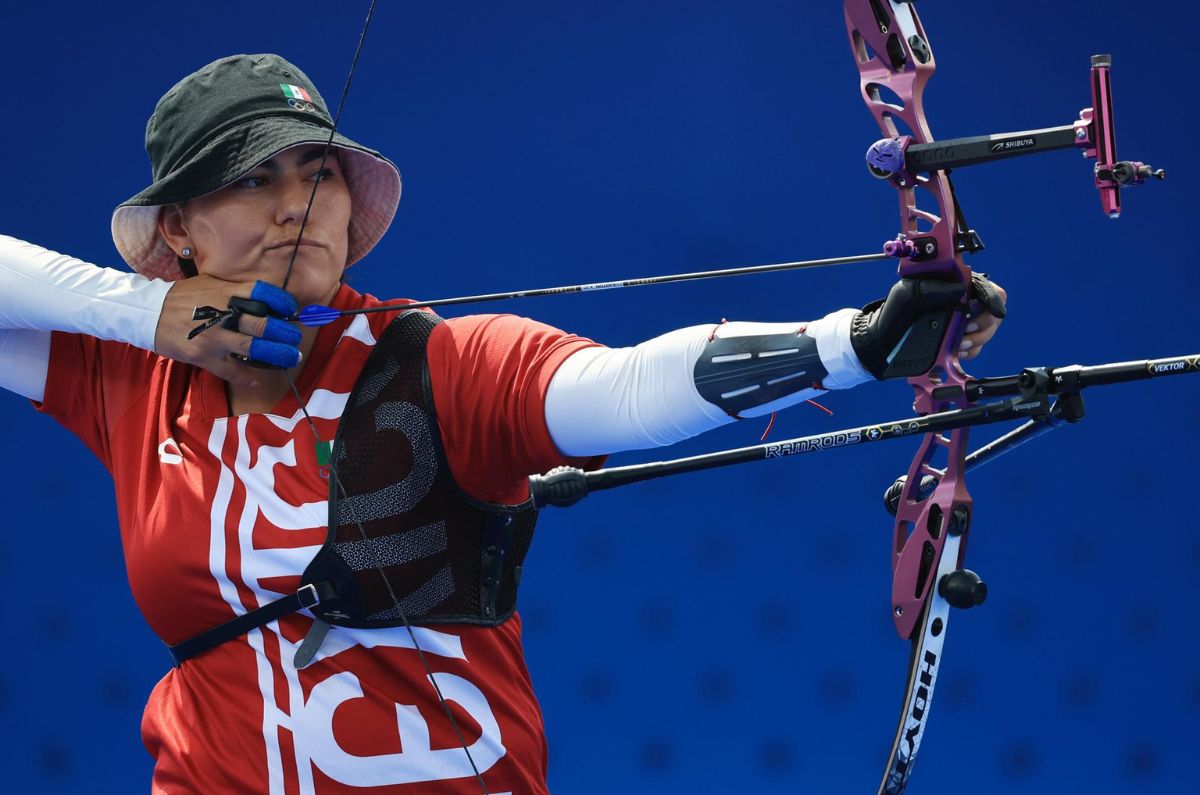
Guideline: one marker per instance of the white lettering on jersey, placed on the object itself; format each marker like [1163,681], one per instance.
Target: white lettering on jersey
[169,452]
[417,762]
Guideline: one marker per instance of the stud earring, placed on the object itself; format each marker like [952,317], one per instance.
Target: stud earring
[186,253]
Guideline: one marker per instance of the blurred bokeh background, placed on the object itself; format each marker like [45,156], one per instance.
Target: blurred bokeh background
[729,631]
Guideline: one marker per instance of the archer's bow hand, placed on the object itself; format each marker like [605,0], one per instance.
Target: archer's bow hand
[878,332]
[988,308]
[221,326]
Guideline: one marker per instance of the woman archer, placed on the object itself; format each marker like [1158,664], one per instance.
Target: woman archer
[222,492]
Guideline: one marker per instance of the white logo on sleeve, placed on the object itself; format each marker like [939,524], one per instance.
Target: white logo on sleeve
[169,452]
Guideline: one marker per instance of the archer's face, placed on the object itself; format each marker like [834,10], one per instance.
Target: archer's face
[248,230]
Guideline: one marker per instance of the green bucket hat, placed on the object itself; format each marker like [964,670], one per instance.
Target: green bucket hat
[224,120]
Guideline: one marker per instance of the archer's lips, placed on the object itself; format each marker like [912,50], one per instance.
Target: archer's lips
[290,244]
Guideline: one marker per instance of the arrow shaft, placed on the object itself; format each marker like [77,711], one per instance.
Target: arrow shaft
[613,285]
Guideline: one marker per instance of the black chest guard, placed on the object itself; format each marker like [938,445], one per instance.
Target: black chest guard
[401,531]
[447,557]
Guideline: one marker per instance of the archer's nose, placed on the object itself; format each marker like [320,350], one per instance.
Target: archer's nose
[294,196]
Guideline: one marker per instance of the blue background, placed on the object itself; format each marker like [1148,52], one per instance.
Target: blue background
[727,631]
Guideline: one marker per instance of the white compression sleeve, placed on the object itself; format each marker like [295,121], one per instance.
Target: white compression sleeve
[24,362]
[47,291]
[42,291]
[604,400]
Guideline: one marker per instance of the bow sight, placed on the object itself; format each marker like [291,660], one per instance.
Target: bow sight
[902,161]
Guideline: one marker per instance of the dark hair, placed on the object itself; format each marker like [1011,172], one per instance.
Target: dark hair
[188,266]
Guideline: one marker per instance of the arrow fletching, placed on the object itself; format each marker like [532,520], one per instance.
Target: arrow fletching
[317,315]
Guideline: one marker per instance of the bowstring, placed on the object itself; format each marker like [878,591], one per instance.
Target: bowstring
[333,472]
[337,117]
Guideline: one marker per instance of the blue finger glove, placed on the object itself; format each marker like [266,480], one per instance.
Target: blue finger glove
[278,346]
[276,354]
[281,331]
[279,300]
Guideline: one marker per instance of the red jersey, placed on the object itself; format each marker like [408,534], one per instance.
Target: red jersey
[220,515]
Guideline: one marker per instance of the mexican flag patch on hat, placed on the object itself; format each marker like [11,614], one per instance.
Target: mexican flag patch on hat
[295,92]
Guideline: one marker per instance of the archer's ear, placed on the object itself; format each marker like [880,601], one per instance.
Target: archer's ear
[172,228]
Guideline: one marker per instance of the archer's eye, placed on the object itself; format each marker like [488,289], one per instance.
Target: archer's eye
[324,174]
[257,181]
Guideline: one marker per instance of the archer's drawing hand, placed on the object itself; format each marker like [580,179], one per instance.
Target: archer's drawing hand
[882,326]
[222,349]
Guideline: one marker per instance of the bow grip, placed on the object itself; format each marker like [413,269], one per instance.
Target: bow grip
[919,349]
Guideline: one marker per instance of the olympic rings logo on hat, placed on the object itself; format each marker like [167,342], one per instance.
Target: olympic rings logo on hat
[300,104]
